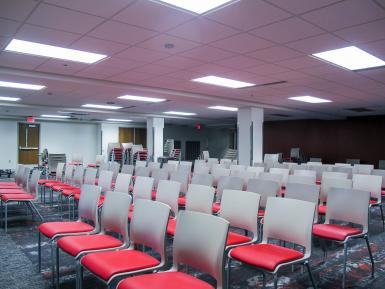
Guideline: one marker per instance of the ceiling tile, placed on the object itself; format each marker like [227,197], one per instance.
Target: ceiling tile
[17,10]
[95,45]
[8,27]
[207,53]
[266,69]
[158,43]
[210,69]
[155,69]
[45,35]
[63,19]
[301,6]
[3,42]
[152,16]
[202,30]
[21,61]
[179,62]
[101,71]
[376,48]
[239,62]
[354,12]
[121,63]
[96,7]
[141,54]
[185,75]
[242,43]
[319,43]
[300,62]
[364,33]
[288,30]
[274,54]
[248,14]
[130,76]
[58,66]
[122,33]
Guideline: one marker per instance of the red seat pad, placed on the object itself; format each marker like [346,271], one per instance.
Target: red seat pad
[70,192]
[51,229]
[10,186]
[12,191]
[322,209]
[77,197]
[52,183]
[73,245]
[130,215]
[334,232]
[261,213]
[171,226]
[93,165]
[107,264]
[373,202]
[62,187]
[182,201]
[153,194]
[101,201]
[266,256]
[164,280]
[234,239]
[17,197]
[383,193]
[44,181]
[216,207]
[7,183]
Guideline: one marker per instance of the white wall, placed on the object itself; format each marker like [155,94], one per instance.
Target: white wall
[8,144]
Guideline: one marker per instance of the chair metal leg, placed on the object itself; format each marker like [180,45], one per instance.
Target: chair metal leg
[228,274]
[276,281]
[57,268]
[81,270]
[39,250]
[370,253]
[310,275]
[345,261]
[1,213]
[36,211]
[382,218]
[5,217]
[53,263]
[263,280]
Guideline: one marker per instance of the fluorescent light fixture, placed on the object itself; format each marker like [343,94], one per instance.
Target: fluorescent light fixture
[141,98]
[220,81]
[197,6]
[89,105]
[7,98]
[21,85]
[180,113]
[227,108]
[117,119]
[309,99]
[352,58]
[55,116]
[39,49]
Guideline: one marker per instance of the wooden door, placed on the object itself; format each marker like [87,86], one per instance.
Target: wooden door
[29,141]
[141,136]
[126,134]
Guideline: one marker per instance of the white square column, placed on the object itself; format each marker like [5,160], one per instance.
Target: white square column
[155,127]
[250,135]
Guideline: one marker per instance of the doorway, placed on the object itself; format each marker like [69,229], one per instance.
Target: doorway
[193,150]
[29,143]
[133,135]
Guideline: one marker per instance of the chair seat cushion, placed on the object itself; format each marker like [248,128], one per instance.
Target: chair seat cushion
[216,207]
[374,202]
[164,280]
[44,181]
[61,187]
[12,191]
[171,226]
[7,183]
[101,201]
[182,201]
[70,192]
[261,213]
[76,197]
[265,256]
[53,183]
[235,238]
[334,232]
[153,194]
[107,264]
[51,229]
[322,209]
[74,245]
[383,193]
[17,197]
[9,186]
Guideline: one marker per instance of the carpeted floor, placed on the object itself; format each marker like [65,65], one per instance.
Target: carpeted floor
[18,255]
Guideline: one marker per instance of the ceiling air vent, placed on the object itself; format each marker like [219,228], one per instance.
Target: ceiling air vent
[280,115]
[359,109]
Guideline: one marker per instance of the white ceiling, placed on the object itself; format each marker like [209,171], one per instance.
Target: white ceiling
[251,40]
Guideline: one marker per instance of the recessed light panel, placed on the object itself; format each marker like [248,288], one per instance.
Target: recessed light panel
[39,49]
[89,105]
[21,85]
[7,98]
[55,116]
[309,99]
[220,81]
[197,6]
[141,98]
[180,113]
[352,58]
[226,108]
[120,120]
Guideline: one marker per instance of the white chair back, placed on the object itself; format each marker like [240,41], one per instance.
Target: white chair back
[122,183]
[200,198]
[330,183]
[265,188]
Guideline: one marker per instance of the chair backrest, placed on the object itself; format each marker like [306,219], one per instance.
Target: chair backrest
[380,173]
[240,208]
[77,158]
[33,186]
[59,171]
[143,188]
[202,179]
[201,168]
[116,207]
[26,176]
[256,170]
[173,162]
[139,163]
[99,159]
[343,165]
[283,172]
[308,173]
[78,176]
[344,169]
[370,183]
[238,168]
[265,188]
[105,180]
[143,171]
[159,174]
[153,165]
[330,183]
[245,175]
[182,177]
[186,164]
[90,176]
[281,166]
[219,172]
[114,167]
[170,167]
[348,205]
[148,226]
[304,192]
[88,204]
[199,242]
[19,174]
[334,175]
[104,167]
[271,177]
[228,183]
[289,220]
[122,183]
[200,198]
[168,193]
[68,174]
[362,169]
[127,169]
[300,180]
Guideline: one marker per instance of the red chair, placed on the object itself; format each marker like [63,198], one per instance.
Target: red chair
[146,230]
[348,206]
[55,185]
[199,242]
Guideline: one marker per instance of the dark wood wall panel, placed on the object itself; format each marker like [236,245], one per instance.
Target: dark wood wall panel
[333,140]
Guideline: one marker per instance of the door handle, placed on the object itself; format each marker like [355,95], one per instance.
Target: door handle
[28,148]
